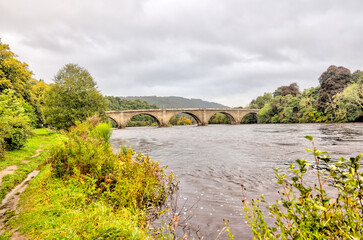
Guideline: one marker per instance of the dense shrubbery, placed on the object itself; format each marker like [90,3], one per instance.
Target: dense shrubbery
[89,192]
[312,212]
[15,121]
[122,180]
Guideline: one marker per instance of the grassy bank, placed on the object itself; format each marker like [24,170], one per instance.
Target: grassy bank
[59,209]
[89,192]
[42,139]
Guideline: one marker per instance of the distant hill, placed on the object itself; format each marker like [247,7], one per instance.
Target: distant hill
[176,102]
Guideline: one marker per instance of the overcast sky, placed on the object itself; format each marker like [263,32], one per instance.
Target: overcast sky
[227,51]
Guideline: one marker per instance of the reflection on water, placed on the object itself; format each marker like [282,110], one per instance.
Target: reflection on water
[213,161]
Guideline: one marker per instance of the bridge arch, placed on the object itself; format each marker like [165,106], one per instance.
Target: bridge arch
[250,118]
[232,118]
[113,121]
[128,118]
[196,118]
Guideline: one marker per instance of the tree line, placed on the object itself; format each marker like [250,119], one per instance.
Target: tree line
[338,98]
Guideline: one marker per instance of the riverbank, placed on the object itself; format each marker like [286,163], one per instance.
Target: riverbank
[88,192]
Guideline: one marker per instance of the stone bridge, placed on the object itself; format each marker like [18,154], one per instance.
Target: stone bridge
[162,116]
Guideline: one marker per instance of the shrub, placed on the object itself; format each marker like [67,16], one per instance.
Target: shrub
[312,212]
[125,180]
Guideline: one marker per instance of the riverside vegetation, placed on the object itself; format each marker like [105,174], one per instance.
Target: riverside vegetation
[310,211]
[88,191]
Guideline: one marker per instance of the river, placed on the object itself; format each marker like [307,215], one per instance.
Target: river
[212,162]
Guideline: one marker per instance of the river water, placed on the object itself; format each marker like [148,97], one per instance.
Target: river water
[212,162]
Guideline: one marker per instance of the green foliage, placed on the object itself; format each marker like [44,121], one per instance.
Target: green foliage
[90,192]
[117,103]
[55,208]
[310,211]
[260,101]
[88,157]
[219,118]
[357,76]
[349,104]
[338,99]
[72,98]
[15,121]
[102,131]
[249,118]
[15,75]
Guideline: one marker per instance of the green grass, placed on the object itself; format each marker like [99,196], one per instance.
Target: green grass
[42,139]
[59,209]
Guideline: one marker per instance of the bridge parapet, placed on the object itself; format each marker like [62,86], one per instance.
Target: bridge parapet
[162,116]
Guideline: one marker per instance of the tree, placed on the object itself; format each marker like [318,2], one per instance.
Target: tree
[350,103]
[260,101]
[332,81]
[292,89]
[15,122]
[357,76]
[72,98]
[15,75]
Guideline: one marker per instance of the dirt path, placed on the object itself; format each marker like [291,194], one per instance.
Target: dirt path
[7,171]
[37,153]
[9,205]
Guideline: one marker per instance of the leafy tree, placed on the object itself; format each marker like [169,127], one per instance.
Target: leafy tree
[260,101]
[332,81]
[292,89]
[277,92]
[349,103]
[73,97]
[39,89]
[15,75]
[117,103]
[357,76]
[15,122]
